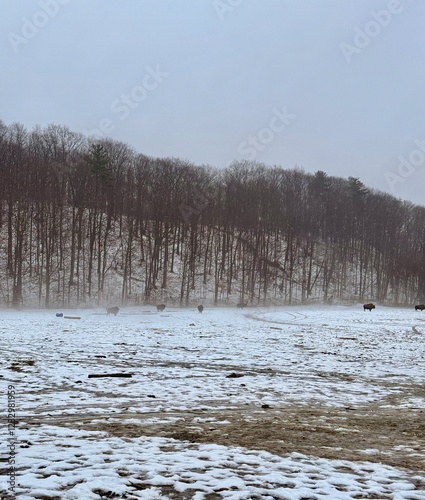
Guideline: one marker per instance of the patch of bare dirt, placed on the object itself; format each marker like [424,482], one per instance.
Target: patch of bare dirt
[394,437]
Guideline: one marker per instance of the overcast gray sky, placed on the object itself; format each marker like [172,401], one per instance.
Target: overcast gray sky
[333,85]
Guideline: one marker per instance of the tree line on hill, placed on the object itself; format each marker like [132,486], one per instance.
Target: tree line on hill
[84,221]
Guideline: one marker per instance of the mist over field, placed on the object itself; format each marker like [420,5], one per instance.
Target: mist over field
[87,222]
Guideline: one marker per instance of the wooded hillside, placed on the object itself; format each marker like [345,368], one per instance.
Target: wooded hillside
[87,222]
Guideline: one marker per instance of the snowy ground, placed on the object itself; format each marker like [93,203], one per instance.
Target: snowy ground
[321,403]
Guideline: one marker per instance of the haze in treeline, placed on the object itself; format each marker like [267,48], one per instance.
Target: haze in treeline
[89,222]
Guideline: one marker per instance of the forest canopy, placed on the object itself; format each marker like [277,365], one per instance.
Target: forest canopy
[86,221]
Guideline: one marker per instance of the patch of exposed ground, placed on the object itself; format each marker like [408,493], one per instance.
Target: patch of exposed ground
[395,437]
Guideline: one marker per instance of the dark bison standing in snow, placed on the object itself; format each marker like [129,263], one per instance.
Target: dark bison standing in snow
[160,307]
[200,308]
[112,310]
[368,307]
[241,305]
[420,307]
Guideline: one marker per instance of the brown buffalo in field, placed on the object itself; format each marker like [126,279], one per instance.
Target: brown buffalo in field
[420,307]
[112,310]
[241,305]
[369,307]
[200,308]
[160,307]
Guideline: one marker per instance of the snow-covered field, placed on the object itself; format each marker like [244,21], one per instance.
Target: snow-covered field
[180,427]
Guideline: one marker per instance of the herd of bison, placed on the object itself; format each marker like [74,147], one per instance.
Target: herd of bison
[370,306]
[242,305]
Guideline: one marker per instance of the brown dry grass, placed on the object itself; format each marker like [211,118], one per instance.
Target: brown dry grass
[395,437]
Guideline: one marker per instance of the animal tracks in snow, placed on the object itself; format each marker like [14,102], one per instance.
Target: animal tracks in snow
[331,383]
